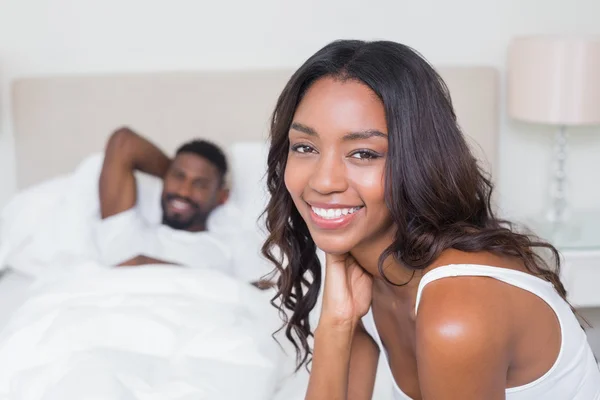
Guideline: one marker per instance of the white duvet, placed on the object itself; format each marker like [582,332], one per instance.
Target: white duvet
[152,333]
[91,332]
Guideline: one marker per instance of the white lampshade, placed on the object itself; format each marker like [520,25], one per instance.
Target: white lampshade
[554,80]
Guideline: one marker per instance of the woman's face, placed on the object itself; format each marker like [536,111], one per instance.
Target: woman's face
[336,163]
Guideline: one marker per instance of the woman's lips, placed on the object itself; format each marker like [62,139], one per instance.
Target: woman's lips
[326,216]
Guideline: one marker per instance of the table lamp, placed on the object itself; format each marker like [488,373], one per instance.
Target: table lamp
[555,80]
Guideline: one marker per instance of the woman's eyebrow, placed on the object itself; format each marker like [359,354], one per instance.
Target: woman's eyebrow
[366,134]
[358,135]
[303,128]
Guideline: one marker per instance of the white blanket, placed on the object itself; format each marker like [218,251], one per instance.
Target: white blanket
[141,333]
[88,331]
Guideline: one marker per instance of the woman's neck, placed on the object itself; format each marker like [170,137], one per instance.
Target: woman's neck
[404,280]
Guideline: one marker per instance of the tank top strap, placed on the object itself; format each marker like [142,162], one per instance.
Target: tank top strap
[537,286]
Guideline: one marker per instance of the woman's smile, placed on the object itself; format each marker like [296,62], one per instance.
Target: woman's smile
[333,216]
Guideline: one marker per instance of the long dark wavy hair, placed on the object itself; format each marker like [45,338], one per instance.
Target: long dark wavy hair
[437,194]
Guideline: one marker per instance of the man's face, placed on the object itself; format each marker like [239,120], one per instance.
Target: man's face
[193,187]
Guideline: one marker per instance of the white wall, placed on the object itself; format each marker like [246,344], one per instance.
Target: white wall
[41,37]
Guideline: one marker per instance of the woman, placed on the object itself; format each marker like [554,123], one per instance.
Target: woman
[367,163]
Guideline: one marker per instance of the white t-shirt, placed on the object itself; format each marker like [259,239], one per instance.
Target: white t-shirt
[126,235]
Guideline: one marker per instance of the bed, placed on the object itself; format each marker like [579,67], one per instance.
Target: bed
[61,120]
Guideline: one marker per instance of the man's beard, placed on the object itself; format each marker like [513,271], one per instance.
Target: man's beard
[197,218]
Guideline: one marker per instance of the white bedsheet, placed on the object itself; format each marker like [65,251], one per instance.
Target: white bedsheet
[13,292]
[88,331]
[141,333]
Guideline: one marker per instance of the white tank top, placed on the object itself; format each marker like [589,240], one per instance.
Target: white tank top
[574,375]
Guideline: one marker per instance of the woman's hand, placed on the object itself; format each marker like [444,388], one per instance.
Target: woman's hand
[347,293]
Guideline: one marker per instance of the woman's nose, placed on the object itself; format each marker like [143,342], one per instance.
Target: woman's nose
[329,175]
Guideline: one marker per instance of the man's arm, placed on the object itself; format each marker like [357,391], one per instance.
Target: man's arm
[125,153]
[143,260]
[263,284]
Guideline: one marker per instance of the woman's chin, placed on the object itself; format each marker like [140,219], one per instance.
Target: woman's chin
[330,246]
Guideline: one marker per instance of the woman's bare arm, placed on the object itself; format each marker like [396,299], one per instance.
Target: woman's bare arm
[463,340]
[363,366]
[344,364]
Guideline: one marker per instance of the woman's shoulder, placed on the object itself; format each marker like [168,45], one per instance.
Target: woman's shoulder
[472,307]
[465,327]
[483,258]
[484,317]
[468,301]
[464,320]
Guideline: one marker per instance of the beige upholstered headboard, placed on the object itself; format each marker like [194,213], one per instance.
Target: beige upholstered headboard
[60,120]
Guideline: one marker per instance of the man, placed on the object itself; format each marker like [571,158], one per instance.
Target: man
[193,186]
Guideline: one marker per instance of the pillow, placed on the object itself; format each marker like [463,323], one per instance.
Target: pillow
[23,214]
[28,207]
[248,173]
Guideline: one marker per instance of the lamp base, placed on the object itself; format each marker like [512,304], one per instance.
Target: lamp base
[580,232]
[557,214]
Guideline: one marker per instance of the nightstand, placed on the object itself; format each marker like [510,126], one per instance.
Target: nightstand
[578,241]
[581,272]
[581,276]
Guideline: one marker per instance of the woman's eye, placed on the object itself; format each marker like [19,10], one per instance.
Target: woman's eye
[302,148]
[364,155]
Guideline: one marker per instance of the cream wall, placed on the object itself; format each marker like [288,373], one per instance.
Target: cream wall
[41,37]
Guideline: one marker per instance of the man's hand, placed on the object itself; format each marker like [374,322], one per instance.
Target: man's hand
[143,260]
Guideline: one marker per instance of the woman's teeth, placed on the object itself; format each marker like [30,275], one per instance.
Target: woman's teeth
[332,213]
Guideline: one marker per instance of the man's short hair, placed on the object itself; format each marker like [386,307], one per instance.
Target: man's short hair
[209,151]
